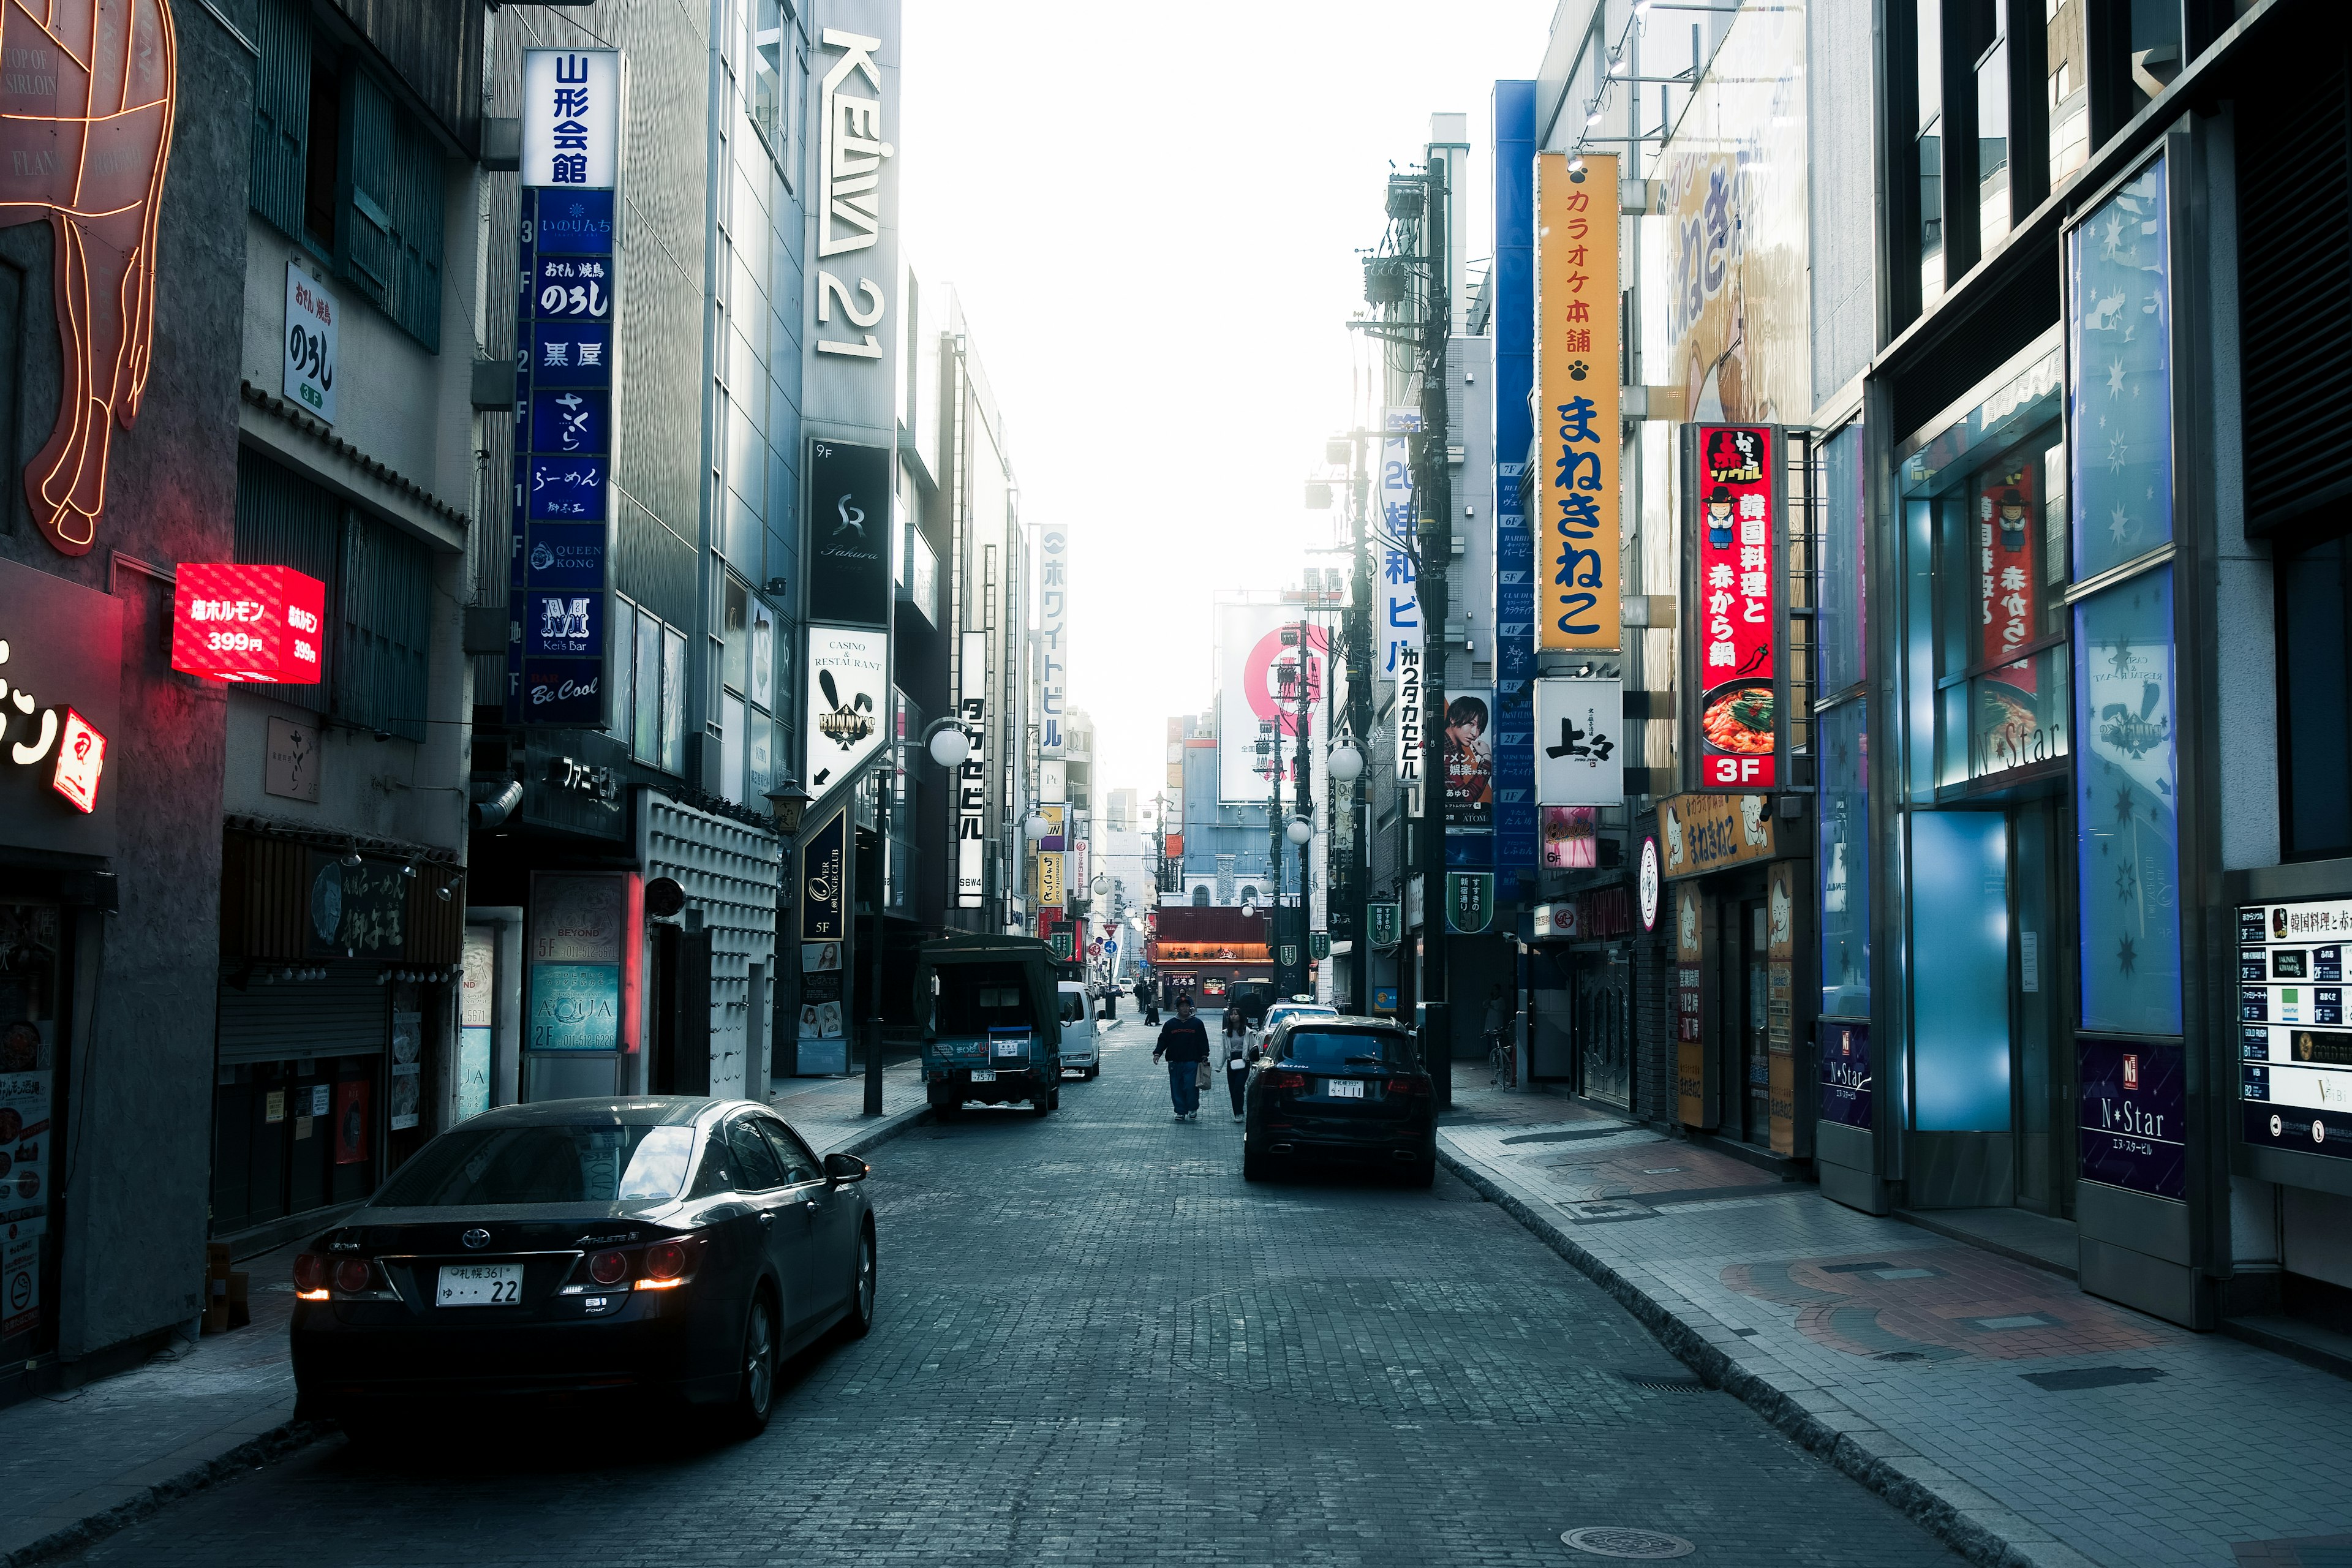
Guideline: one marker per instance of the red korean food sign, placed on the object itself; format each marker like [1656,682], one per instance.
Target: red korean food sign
[1735,496]
[233,622]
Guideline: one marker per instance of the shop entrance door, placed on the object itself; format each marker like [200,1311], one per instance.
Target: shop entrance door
[1603,1028]
[2042,967]
[1742,1013]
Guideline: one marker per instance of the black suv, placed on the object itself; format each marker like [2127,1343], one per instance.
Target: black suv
[1340,1089]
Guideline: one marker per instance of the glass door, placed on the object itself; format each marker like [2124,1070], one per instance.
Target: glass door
[2044,1076]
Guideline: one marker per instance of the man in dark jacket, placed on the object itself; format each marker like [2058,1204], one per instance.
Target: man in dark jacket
[1184,1043]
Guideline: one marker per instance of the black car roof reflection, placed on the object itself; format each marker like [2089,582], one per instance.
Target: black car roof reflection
[608,1110]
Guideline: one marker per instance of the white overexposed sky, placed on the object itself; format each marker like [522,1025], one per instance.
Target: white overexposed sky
[1151,216]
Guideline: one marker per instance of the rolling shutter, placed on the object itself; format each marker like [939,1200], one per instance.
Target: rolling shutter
[345,1015]
[281,112]
[284,520]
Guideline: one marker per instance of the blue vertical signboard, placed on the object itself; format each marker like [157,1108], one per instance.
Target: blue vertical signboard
[1514,815]
[567,340]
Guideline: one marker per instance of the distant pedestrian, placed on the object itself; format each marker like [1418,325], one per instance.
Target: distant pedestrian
[1237,1056]
[1185,1046]
[1147,997]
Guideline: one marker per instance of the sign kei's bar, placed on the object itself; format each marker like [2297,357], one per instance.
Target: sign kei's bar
[235,622]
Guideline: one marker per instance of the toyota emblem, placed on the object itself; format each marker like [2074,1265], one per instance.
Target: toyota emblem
[476,1239]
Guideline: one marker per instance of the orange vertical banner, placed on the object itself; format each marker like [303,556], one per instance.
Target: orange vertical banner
[1572,504]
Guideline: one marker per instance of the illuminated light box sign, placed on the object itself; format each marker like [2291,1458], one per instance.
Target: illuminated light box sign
[81,758]
[232,621]
[1734,599]
[2295,1049]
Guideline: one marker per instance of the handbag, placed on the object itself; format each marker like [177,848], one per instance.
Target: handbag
[1204,1073]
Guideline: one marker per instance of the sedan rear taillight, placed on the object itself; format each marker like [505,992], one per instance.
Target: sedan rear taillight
[310,1277]
[608,1268]
[353,1275]
[1286,1081]
[665,1263]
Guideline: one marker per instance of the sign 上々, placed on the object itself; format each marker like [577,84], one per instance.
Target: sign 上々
[1578,575]
[235,622]
[567,344]
[310,335]
[1732,503]
[1580,757]
[848,702]
[850,524]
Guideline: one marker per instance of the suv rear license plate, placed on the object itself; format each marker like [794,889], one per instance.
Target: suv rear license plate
[479,1284]
[983,1075]
[1344,1088]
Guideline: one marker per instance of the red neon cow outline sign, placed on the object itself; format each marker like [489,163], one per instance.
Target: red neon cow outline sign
[85,105]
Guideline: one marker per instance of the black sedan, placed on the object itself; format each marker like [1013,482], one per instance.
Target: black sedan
[586,1250]
[1341,1089]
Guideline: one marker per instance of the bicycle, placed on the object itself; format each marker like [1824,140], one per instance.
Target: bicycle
[1502,1070]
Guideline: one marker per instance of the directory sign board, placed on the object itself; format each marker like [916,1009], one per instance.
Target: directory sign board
[2295,1049]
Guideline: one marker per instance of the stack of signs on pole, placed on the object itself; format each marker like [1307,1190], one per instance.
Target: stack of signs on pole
[825,929]
[848,694]
[567,339]
[1052,614]
[1732,505]
[1397,535]
[1579,757]
[1576,357]
[971,776]
[1516,833]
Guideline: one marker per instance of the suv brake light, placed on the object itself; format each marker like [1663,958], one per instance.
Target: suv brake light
[1286,1081]
[1407,1086]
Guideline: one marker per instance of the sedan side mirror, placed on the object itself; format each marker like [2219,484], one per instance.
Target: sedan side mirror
[840,1170]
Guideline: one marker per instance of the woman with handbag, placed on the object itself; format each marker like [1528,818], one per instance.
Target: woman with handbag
[1236,1056]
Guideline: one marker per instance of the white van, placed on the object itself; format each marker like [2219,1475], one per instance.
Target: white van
[1080,1049]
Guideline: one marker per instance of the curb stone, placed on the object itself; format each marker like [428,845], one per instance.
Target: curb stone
[292,1436]
[252,1454]
[1970,1522]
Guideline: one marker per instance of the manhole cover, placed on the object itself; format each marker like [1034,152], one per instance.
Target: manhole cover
[2092,1377]
[1610,1540]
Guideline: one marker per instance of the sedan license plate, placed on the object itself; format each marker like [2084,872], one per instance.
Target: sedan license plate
[983,1075]
[479,1284]
[1344,1088]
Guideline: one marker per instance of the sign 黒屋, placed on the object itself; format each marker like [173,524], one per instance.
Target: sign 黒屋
[567,343]
[1578,575]
[1732,503]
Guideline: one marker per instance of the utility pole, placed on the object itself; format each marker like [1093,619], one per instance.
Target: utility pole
[1434,489]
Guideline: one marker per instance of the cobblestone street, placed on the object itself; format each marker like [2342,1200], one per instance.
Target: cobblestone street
[1097,1345]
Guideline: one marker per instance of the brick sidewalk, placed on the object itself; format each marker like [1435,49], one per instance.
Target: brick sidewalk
[2024,1420]
[75,1465]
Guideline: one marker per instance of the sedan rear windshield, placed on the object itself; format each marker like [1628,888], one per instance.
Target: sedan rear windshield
[595,1164]
[1337,1049]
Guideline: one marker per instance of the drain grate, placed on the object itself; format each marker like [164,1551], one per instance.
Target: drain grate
[1667,1383]
[1613,1540]
[2092,1377]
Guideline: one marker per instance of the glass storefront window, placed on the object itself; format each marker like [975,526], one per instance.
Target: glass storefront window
[1844,858]
[1844,621]
[2127,853]
[2019,715]
[2119,337]
[647,690]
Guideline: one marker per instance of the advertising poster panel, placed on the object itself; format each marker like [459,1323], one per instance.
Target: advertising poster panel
[849,521]
[1693,1106]
[1469,760]
[1578,351]
[2132,1125]
[1845,1074]
[849,683]
[1258,645]
[584,936]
